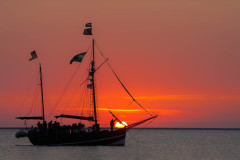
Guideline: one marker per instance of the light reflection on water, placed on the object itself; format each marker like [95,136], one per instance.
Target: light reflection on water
[149,144]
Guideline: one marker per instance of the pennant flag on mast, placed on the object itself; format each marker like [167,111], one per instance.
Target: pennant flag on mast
[78,58]
[34,55]
[88,25]
[87,31]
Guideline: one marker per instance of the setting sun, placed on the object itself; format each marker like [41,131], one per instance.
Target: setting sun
[120,125]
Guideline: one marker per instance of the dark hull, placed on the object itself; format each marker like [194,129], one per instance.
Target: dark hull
[104,138]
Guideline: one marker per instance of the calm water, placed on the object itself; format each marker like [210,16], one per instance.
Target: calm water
[149,144]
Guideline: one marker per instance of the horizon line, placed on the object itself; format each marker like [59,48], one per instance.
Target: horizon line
[163,128]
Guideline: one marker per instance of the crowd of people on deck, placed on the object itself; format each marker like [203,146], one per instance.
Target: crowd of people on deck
[56,128]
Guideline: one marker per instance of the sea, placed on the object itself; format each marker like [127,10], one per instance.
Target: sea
[141,144]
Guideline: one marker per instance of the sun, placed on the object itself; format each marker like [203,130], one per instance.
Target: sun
[120,125]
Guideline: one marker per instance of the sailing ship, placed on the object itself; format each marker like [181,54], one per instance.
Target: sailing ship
[55,134]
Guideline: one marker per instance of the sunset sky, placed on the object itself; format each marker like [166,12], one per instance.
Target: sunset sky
[179,59]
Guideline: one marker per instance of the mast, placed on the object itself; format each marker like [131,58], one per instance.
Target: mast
[43,116]
[93,85]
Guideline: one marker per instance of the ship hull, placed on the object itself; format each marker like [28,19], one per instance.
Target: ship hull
[104,138]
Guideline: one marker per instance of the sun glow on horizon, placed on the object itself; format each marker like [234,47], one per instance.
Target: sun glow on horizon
[120,125]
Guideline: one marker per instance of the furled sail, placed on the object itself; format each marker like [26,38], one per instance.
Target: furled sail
[27,118]
[90,118]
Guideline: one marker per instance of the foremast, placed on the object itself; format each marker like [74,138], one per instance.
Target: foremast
[41,84]
[42,100]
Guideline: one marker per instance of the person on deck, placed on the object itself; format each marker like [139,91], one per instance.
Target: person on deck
[112,124]
[39,125]
[50,125]
[44,125]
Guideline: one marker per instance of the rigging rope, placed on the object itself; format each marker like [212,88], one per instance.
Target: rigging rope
[132,137]
[64,91]
[34,98]
[26,96]
[123,84]
[67,86]
[125,107]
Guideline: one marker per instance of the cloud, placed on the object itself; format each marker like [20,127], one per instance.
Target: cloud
[158,111]
[170,97]
[189,97]
[101,109]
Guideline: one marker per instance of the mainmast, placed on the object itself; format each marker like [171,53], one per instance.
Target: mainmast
[43,116]
[93,84]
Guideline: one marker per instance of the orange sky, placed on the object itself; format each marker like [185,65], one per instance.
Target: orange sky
[180,59]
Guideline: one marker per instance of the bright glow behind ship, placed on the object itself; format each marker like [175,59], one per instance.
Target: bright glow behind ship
[120,125]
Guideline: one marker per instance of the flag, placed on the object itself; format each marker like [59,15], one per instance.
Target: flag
[34,55]
[87,31]
[88,25]
[78,58]
[90,86]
